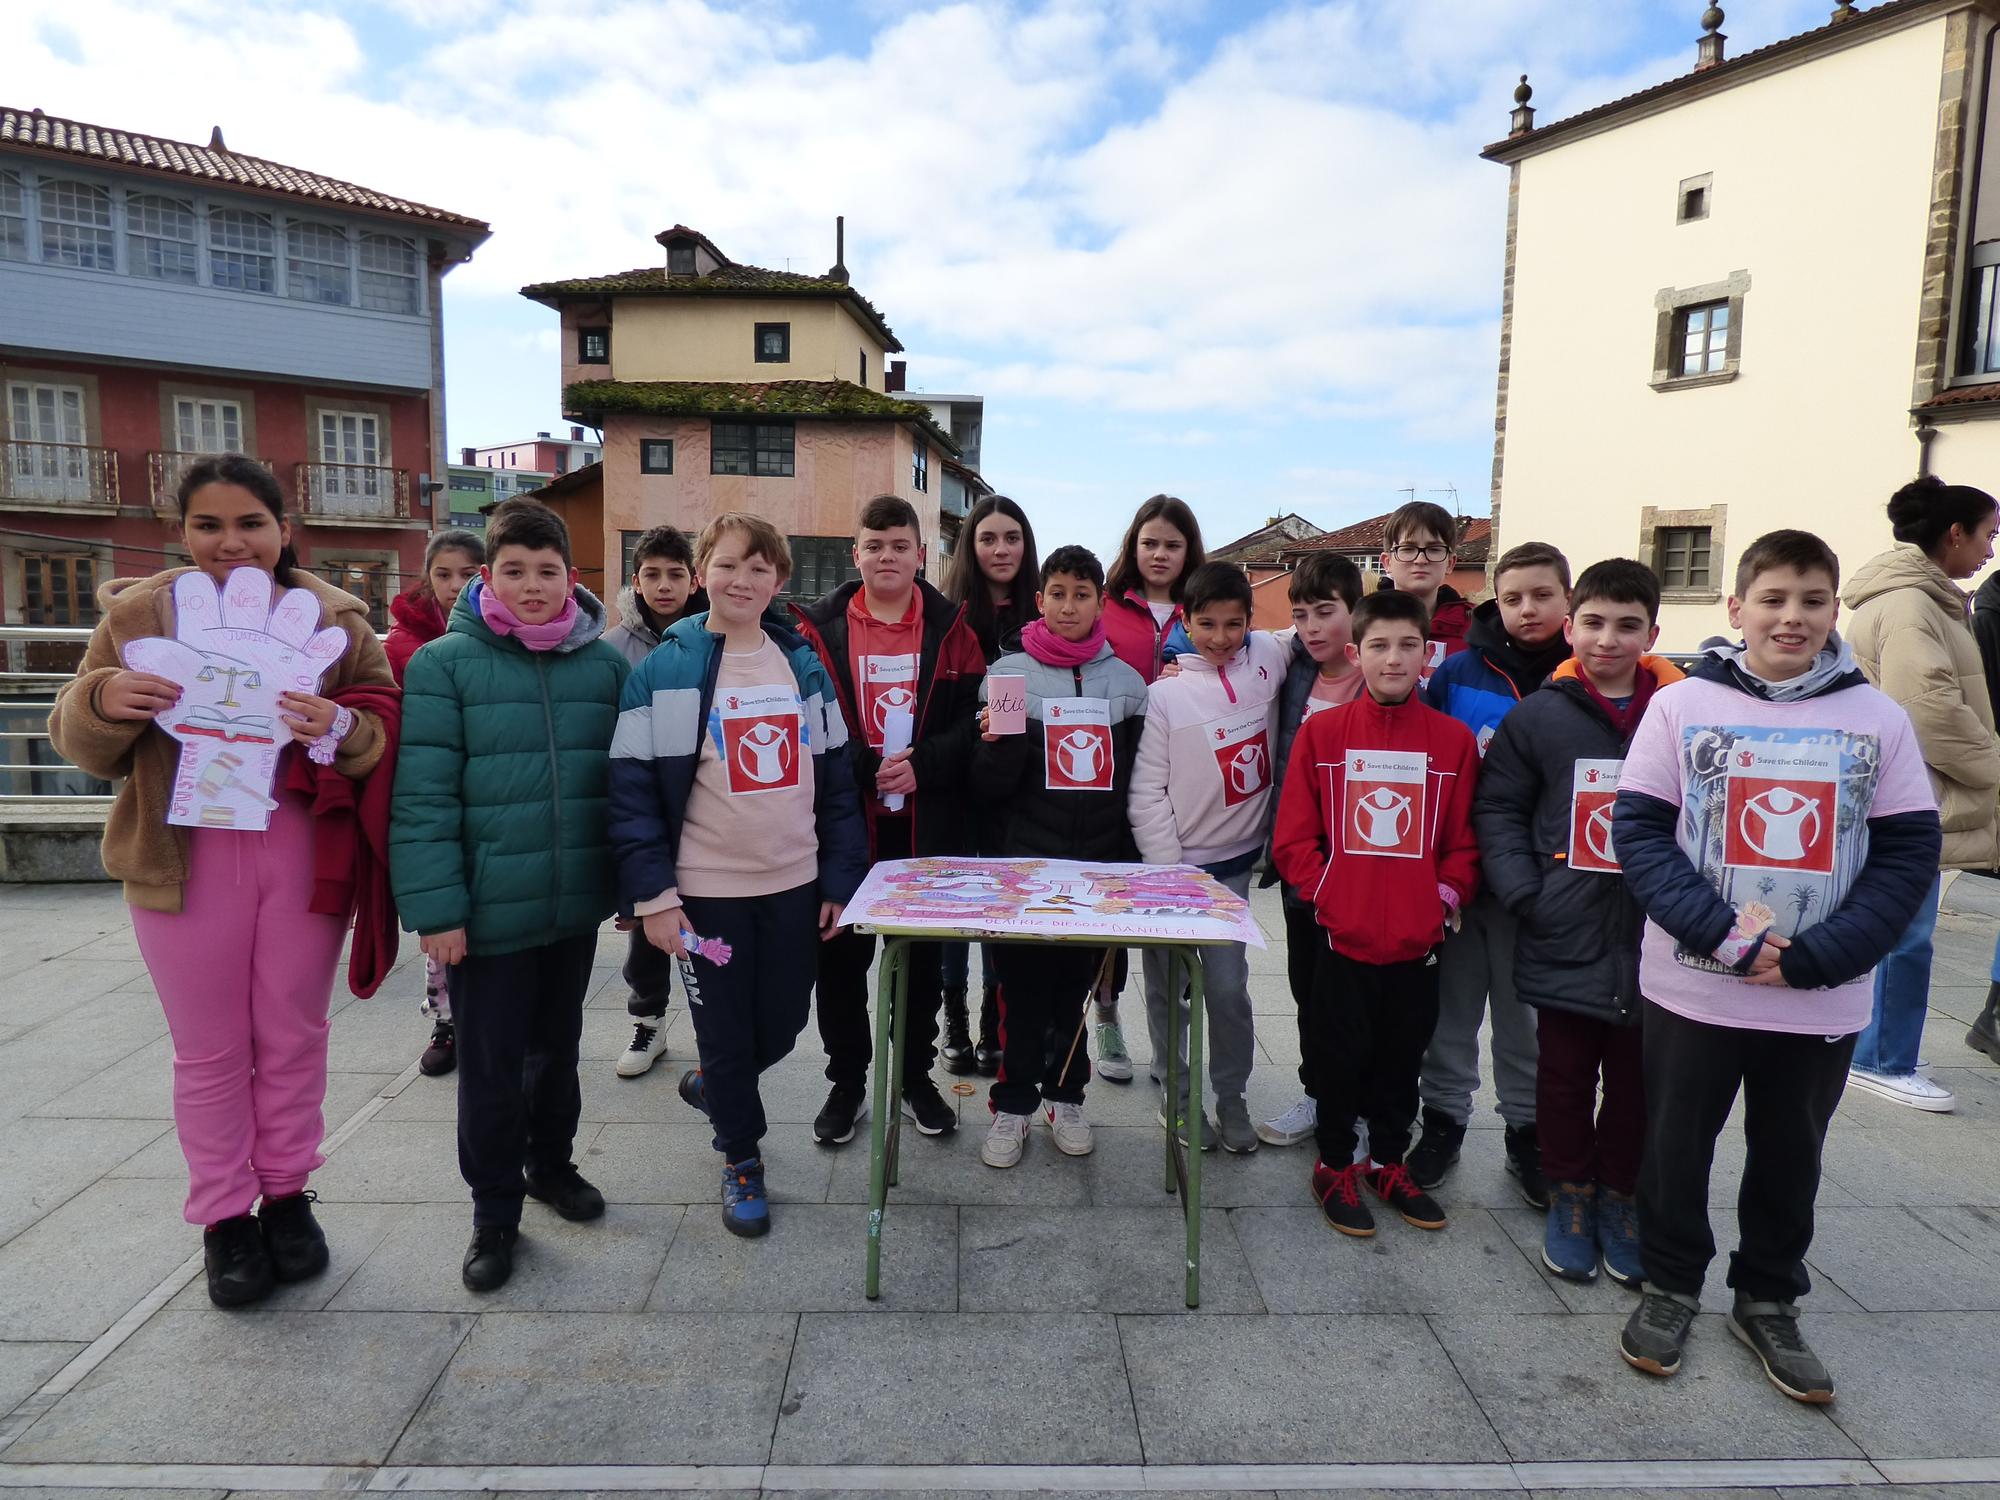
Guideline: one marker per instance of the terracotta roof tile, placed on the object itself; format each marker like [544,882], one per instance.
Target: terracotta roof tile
[830,400]
[1963,395]
[35,131]
[725,281]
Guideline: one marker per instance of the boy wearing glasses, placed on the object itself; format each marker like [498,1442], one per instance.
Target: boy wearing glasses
[1417,543]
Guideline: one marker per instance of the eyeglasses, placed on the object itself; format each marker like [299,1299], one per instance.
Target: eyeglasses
[1410,552]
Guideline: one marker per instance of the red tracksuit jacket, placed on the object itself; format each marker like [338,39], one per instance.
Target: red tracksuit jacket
[1376,815]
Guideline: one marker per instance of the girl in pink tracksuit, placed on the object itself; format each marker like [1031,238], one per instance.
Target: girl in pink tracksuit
[1201,795]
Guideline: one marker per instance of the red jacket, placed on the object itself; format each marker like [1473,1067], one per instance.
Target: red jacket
[351,839]
[418,619]
[1376,814]
[1135,638]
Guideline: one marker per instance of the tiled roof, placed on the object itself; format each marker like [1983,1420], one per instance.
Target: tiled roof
[1365,537]
[825,400]
[564,485]
[1962,395]
[1542,134]
[35,131]
[1267,543]
[726,281]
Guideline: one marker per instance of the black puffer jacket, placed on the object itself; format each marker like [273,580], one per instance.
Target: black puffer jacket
[1578,944]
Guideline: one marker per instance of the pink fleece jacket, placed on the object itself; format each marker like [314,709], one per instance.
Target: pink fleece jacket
[1201,786]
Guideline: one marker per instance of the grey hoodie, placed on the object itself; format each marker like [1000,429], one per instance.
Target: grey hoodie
[632,634]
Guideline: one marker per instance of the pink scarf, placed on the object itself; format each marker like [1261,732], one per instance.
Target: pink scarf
[1051,650]
[546,636]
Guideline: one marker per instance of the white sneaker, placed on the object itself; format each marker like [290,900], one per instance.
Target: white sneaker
[648,1046]
[1291,1127]
[1903,1088]
[1070,1129]
[1003,1143]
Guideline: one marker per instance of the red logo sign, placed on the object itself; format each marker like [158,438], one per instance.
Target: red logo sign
[1382,804]
[1245,768]
[762,753]
[1774,824]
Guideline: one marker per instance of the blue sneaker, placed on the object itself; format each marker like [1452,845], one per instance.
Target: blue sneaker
[1618,1238]
[746,1209]
[693,1090]
[1569,1246]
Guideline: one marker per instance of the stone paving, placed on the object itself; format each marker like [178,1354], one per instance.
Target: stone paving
[1030,1334]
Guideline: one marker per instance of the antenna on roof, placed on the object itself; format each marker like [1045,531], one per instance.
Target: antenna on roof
[215,142]
[839,271]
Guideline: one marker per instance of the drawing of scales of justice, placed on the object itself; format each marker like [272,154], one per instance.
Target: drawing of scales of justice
[233,652]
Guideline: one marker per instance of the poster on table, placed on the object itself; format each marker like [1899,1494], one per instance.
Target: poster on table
[1052,898]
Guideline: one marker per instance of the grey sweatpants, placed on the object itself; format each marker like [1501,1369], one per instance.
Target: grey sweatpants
[1231,1035]
[1475,962]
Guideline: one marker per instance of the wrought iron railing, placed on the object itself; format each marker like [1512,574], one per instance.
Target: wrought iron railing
[59,474]
[165,470]
[353,492]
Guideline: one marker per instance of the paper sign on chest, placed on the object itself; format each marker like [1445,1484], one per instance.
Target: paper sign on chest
[1076,744]
[1382,803]
[1779,806]
[761,739]
[1241,744]
[888,685]
[1593,793]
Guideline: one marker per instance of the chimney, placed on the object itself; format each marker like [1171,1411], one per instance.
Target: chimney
[543,436]
[1523,119]
[899,372]
[839,271]
[215,139]
[1708,51]
[576,434]
[468,456]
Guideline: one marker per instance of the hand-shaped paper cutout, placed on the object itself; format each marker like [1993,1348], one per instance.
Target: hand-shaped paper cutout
[233,652]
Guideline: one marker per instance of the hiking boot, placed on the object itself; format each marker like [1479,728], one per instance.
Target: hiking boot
[1395,1187]
[986,1051]
[565,1190]
[1771,1331]
[1657,1332]
[441,1056]
[1291,1127]
[746,1207]
[1005,1138]
[693,1090]
[1436,1151]
[238,1262]
[1524,1165]
[924,1106]
[1910,1089]
[956,1052]
[1984,1034]
[844,1109]
[1114,1063]
[1068,1128]
[1339,1195]
[1232,1124]
[293,1237]
[1618,1237]
[489,1259]
[648,1046]
[1569,1243]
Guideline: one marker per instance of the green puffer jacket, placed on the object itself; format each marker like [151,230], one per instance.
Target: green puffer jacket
[498,823]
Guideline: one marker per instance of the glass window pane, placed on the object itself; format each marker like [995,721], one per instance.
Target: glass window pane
[242,251]
[389,274]
[316,263]
[76,225]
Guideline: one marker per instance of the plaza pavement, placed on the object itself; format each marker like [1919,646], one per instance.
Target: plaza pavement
[1030,1335]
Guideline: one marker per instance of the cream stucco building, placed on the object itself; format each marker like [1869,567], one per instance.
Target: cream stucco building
[1762,294]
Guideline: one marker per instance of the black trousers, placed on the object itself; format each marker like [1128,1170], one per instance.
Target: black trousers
[1790,1085]
[1043,990]
[843,991]
[1370,1026]
[749,1011]
[648,972]
[1305,941]
[519,1017]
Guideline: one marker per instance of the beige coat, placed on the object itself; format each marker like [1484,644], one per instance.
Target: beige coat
[140,847]
[1910,633]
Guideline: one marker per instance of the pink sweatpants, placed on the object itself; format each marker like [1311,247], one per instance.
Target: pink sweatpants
[245,975]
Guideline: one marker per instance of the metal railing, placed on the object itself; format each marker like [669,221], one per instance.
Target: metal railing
[31,772]
[165,470]
[59,474]
[352,492]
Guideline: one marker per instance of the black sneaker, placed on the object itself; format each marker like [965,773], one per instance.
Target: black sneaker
[565,1190]
[293,1236]
[693,1091]
[1771,1330]
[441,1056]
[1339,1196]
[1395,1187]
[1657,1332]
[1524,1164]
[923,1104]
[489,1259]
[238,1263]
[1436,1151]
[845,1108]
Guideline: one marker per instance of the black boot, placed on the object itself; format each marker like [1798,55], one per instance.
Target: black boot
[293,1236]
[1524,1163]
[1436,1151]
[956,1053]
[238,1265]
[489,1259]
[1985,1033]
[986,1056]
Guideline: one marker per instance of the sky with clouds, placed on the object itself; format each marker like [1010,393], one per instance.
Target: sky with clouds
[1246,253]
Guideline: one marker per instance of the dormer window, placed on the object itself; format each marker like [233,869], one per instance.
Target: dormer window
[680,258]
[774,343]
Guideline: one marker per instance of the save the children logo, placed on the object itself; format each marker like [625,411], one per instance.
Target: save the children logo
[1593,794]
[1076,745]
[1778,807]
[760,739]
[1242,748]
[1382,803]
[888,683]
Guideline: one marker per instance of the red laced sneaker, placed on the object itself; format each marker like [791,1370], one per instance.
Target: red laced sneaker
[1339,1195]
[1396,1187]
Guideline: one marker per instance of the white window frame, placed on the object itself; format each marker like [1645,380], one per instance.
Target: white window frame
[38,466]
[50,218]
[17,216]
[412,279]
[367,483]
[140,236]
[308,276]
[271,256]
[195,417]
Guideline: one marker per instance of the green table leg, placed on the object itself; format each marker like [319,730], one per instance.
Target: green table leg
[896,954]
[1171,1084]
[1191,1204]
[881,1170]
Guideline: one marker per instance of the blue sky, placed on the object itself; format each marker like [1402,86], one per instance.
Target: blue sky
[1244,253]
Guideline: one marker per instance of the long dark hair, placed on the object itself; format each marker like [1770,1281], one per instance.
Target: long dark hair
[248,474]
[1924,510]
[967,584]
[1176,513]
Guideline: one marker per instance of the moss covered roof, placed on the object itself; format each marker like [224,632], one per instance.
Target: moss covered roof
[814,400]
[724,281]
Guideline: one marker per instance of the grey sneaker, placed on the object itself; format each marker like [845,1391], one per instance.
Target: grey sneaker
[1771,1330]
[1114,1063]
[1181,1124]
[1232,1123]
[1657,1331]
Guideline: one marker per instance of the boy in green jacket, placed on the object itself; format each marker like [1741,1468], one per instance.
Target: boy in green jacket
[500,860]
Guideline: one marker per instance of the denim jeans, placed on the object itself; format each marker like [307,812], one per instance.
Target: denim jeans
[1902,997]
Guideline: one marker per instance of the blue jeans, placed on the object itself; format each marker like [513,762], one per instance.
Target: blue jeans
[1902,997]
[956,960]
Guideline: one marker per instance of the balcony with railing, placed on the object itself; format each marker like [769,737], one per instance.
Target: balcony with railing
[58,476]
[352,494]
[165,470]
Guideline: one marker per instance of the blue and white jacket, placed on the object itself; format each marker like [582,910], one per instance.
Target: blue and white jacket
[1481,684]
